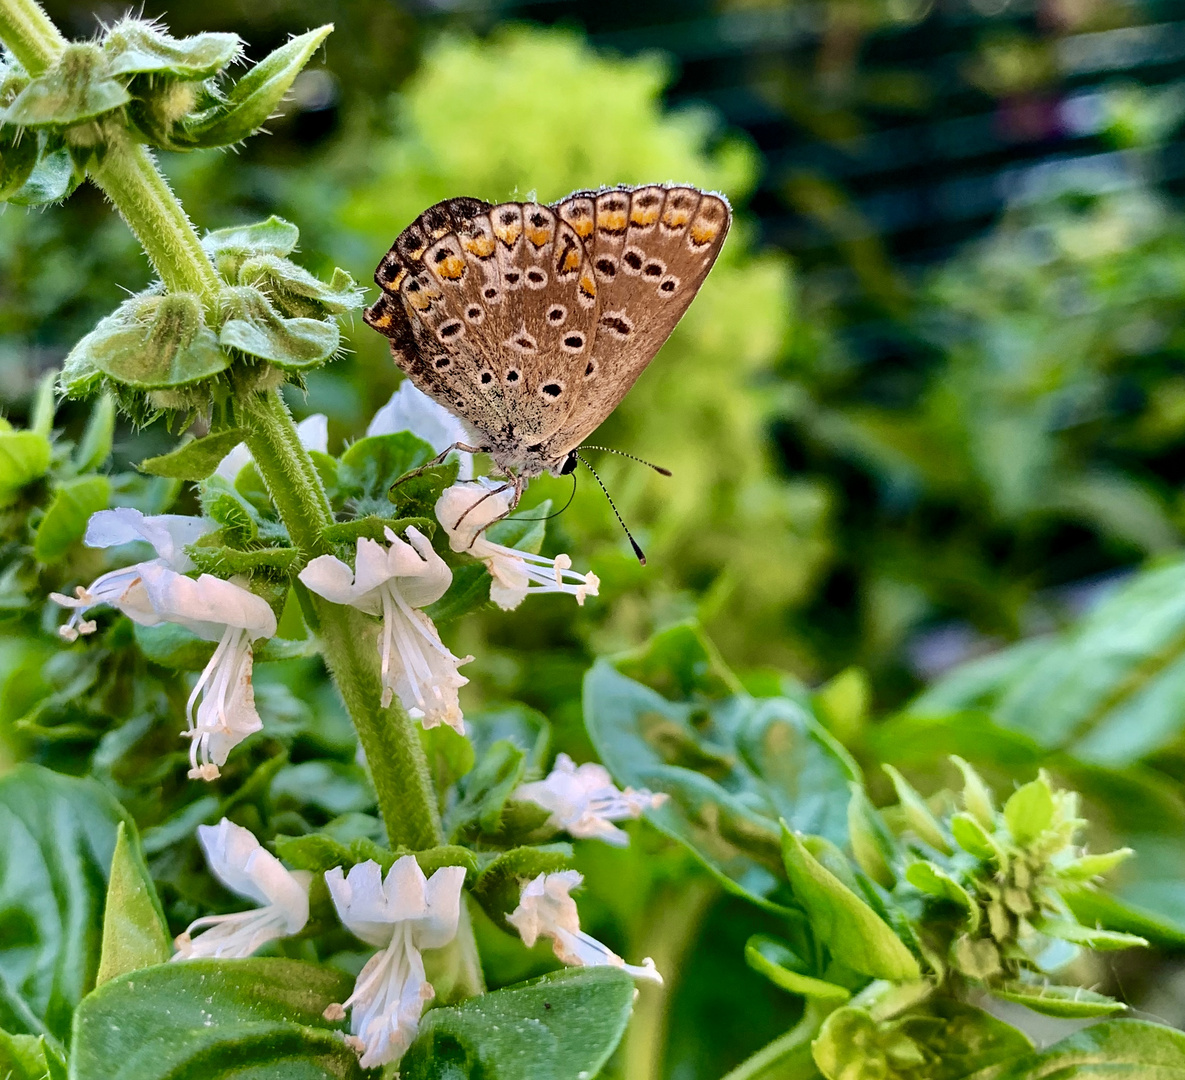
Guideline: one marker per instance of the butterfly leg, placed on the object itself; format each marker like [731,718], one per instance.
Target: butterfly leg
[476,504]
[439,459]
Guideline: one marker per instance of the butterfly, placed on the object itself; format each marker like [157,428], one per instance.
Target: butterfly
[531,322]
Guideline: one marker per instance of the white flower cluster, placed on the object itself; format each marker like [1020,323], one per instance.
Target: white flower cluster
[394,581]
[401,915]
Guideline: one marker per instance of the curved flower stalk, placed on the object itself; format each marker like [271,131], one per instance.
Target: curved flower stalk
[123,589]
[410,409]
[400,915]
[546,910]
[237,859]
[395,582]
[584,802]
[465,510]
[312,430]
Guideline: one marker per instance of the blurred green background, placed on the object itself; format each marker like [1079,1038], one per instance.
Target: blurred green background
[930,402]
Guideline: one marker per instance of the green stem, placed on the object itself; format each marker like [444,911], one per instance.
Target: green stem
[129,177]
[789,1055]
[28,33]
[389,737]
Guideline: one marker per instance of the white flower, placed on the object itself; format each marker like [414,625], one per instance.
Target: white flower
[546,910]
[224,700]
[584,801]
[167,533]
[236,859]
[410,409]
[466,509]
[158,591]
[313,432]
[401,915]
[394,582]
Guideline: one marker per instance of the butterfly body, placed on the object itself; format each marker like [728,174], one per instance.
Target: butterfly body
[530,322]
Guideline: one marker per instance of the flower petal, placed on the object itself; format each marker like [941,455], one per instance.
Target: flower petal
[313,432]
[208,605]
[333,579]
[169,534]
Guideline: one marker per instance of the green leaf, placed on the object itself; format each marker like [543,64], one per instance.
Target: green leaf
[563,1026]
[1087,936]
[1112,1050]
[173,646]
[777,962]
[254,97]
[18,156]
[681,664]
[196,459]
[319,852]
[225,562]
[370,466]
[24,457]
[23,1057]
[973,838]
[374,527]
[917,813]
[150,342]
[499,885]
[95,446]
[65,519]
[1029,811]
[731,770]
[1064,1001]
[78,87]
[873,846]
[255,327]
[485,789]
[939,1040]
[425,487]
[215,1020]
[936,882]
[297,292]
[59,836]
[135,934]
[526,728]
[55,176]
[855,935]
[337,787]
[275,236]
[135,47]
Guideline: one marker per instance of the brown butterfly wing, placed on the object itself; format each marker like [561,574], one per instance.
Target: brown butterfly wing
[651,248]
[499,317]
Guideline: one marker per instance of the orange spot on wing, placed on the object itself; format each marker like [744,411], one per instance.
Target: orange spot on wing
[508,234]
[675,219]
[704,232]
[571,261]
[452,268]
[613,220]
[588,286]
[481,246]
[539,236]
[380,322]
[644,215]
[582,226]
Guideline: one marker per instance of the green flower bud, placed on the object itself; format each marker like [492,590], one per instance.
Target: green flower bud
[78,88]
[976,958]
[976,796]
[917,813]
[151,342]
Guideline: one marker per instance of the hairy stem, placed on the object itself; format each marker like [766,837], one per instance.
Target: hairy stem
[28,33]
[389,737]
[128,176]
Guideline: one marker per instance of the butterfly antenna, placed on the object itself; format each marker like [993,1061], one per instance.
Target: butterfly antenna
[613,507]
[642,461]
[555,513]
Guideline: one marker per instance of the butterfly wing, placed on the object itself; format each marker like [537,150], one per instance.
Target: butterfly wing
[500,312]
[650,248]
